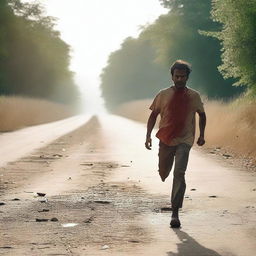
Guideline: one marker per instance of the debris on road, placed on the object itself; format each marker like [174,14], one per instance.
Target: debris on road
[104,247]
[57,155]
[227,155]
[134,241]
[41,220]
[41,194]
[44,210]
[87,164]
[166,209]
[45,200]
[69,225]
[89,220]
[101,211]
[101,202]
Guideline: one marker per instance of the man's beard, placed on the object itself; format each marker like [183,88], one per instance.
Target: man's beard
[180,84]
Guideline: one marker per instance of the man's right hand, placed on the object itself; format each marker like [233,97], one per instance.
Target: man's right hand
[148,143]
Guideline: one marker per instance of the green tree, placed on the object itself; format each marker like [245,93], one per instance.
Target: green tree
[34,60]
[132,73]
[176,36]
[5,16]
[172,36]
[238,40]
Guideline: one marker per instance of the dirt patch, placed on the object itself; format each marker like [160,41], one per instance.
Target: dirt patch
[230,158]
[64,205]
[91,193]
[106,213]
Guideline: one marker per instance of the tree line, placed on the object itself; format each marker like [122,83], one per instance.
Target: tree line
[217,37]
[34,60]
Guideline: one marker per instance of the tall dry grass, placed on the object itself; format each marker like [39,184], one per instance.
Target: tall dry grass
[18,112]
[230,126]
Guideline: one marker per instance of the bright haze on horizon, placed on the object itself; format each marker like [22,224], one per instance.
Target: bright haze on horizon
[94,29]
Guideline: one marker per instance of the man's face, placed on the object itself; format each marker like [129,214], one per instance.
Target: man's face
[179,78]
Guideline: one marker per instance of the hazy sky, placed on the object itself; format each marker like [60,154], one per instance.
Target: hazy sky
[96,28]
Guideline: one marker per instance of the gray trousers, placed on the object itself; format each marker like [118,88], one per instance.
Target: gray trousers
[167,155]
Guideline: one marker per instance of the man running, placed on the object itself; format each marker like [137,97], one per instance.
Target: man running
[177,106]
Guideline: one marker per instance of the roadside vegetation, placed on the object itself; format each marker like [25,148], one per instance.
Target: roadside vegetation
[34,60]
[34,63]
[218,37]
[18,112]
[140,68]
[230,126]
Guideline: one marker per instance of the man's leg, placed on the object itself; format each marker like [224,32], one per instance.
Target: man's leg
[179,184]
[166,158]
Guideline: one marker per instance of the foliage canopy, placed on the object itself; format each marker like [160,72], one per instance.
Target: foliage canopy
[238,40]
[140,68]
[34,60]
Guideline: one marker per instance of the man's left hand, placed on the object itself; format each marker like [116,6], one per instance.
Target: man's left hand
[148,143]
[200,141]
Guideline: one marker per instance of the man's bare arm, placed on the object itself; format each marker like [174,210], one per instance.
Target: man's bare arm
[150,125]
[202,124]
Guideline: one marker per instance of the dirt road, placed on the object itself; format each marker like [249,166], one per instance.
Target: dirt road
[19,143]
[104,197]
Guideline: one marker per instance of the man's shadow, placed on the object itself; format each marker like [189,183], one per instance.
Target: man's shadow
[188,246]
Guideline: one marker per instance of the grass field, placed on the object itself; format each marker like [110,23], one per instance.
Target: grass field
[19,112]
[229,125]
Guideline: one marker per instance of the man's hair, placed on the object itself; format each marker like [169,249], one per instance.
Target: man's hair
[182,65]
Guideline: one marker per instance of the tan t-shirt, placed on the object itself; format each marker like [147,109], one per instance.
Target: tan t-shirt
[160,105]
